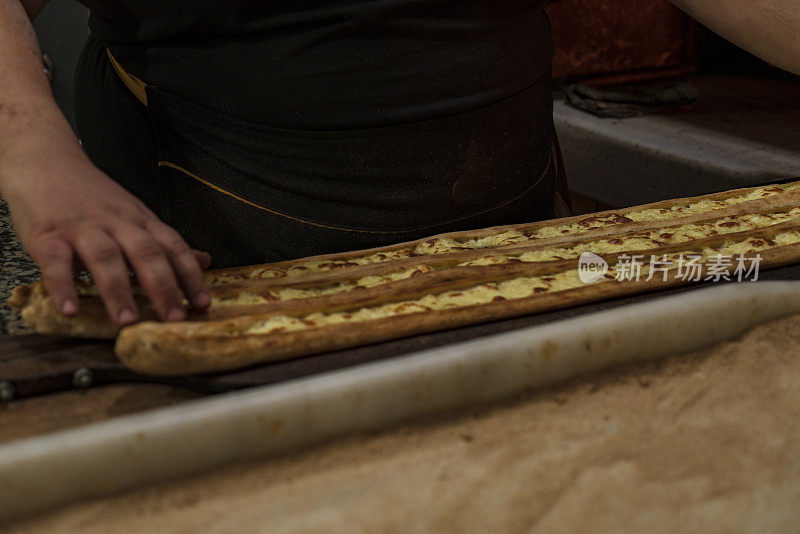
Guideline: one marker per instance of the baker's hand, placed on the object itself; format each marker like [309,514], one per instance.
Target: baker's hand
[71,213]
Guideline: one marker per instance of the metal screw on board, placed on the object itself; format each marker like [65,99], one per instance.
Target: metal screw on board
[6,391]
[82,378]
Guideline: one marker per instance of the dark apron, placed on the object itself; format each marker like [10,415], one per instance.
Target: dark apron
[249,193]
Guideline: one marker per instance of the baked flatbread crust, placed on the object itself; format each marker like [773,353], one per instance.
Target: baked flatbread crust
[282,310]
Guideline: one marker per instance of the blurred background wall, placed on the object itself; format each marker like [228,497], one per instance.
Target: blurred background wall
[62,30]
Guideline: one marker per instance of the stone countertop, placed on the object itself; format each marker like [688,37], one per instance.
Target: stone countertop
[16,268]
[744,132]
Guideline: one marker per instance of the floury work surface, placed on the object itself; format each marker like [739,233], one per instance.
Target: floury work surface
[196,436]
[704,442]
[16,268]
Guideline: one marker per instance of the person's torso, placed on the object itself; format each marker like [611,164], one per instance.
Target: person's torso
[327,65]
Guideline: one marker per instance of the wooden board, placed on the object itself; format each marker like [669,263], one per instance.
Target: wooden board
[35,365]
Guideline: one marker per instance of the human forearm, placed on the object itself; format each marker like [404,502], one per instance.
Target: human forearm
[769,29]
[31,124]
[67,212]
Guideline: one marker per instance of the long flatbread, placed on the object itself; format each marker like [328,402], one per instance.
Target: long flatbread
[276,311]
[180,348]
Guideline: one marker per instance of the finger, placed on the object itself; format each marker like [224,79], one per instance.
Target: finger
[102,256]
[185,263]
[203,258]
[153,270]
[54,257]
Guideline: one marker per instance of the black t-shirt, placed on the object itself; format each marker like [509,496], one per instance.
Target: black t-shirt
[327,65]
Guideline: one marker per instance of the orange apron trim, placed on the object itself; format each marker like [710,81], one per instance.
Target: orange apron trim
[138,88]
[134,84]
[244,200]
[409,230]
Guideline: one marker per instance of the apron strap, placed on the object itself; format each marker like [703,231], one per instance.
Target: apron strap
[136,86]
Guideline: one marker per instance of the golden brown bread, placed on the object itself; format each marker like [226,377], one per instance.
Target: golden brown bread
[92,322]
[191,348]
[404,273]
[598,224]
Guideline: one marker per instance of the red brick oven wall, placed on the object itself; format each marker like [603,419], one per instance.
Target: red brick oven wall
[617,41]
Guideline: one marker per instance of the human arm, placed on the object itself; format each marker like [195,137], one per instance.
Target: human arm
[66,211]
[770,29]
